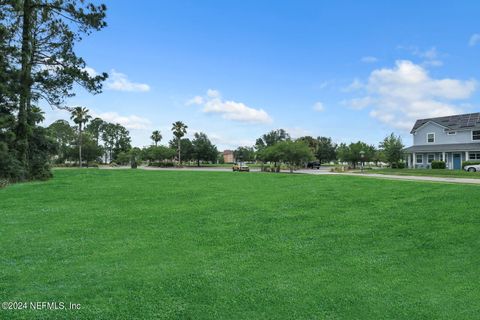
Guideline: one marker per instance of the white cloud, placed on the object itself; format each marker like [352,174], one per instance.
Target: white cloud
[129,122]
[474,40]
[318,106]
[195,100]
[120,82]
[231,110]
[355,85]
[297,132]
[369,59]
[400,95]
[431,57]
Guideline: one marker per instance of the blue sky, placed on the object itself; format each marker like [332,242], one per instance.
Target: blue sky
[352,70]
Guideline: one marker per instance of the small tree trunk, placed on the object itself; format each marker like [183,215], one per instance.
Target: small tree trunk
[25,84]
[179,153]
[80,145]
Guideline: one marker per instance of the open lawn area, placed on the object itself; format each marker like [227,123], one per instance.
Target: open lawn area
[428,173]
[128,244]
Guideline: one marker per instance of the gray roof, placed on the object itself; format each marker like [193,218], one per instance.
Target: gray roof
[475,146]
[455,122]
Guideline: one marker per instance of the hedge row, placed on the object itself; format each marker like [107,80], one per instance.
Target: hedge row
[469,163]
[162,164]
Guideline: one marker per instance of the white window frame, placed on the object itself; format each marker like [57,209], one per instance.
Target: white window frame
[478,135]
[433,137]
[476,154]
[416,158]
[428,158]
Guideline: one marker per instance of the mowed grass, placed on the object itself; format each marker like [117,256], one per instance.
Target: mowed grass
[133,244]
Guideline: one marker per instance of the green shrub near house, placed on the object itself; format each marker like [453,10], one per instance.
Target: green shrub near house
[438,165]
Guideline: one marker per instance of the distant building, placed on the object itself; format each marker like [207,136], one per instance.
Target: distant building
[452,139]
[228,156]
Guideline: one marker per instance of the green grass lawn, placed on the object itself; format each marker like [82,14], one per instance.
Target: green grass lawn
[128,244]
[428,172]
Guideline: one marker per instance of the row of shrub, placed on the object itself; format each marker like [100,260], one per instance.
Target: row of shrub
[75,165]
[469,163]
[270,169]
[162,164]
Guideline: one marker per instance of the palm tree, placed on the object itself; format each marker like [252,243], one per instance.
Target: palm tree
[80,116]
[156,137]
[179,129]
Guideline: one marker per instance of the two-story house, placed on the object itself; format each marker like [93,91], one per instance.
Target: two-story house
[452,139]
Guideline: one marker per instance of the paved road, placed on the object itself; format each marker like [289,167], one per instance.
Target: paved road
[326,171]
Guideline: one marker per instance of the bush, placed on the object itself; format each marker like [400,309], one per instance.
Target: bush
[92,165]
[162,164]
[3,183]
[399,165]
[469,163]
[438,165]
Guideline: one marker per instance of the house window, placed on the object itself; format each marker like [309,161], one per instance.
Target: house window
[419,158]
[430,158]
[431,137]
[440,157]
[476,135]
[451,133]
[474,156]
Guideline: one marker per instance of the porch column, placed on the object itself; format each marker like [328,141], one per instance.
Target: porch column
[466,155]
[409,165]
[414,160]
[443,157]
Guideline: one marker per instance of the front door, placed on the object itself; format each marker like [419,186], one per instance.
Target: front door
[457,161]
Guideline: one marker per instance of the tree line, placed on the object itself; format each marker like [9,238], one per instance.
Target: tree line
[38,64]
[277,147]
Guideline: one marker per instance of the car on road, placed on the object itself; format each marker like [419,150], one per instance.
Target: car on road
[240,167]
[472,168]
[313,165]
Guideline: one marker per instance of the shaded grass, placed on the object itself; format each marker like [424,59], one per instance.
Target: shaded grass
[129,244]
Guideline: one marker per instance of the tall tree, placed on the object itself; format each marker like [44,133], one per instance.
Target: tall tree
[326,150]
[271,138]
[244,154]
[179,129]
[80,116]
[46,32]
[116,139]
[392,149]
[353,152]
[186,148]
[156,137]
[294,153]
[64,135]
[95,129]
[203,148]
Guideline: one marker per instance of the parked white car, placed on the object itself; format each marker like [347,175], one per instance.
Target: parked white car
[472,168]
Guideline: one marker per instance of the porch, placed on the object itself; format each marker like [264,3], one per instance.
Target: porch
[453,155]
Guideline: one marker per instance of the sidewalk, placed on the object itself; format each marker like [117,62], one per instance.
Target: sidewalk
[416,178]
